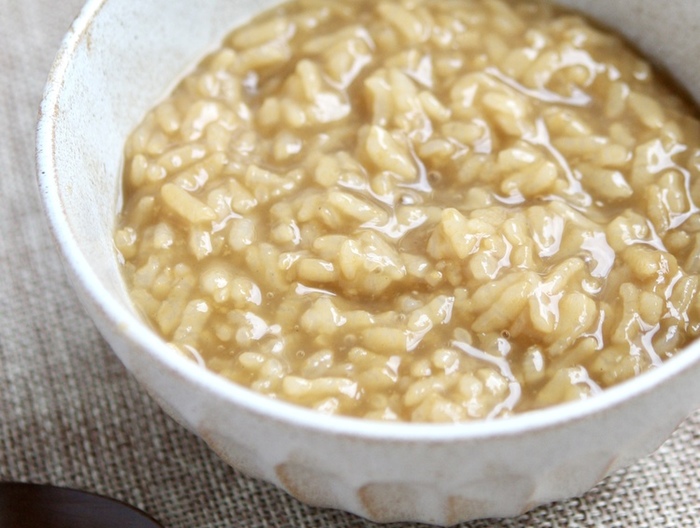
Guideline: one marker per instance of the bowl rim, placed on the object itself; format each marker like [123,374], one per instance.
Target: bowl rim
[138,333]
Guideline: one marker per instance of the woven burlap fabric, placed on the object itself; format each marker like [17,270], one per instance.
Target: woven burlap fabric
[71,415]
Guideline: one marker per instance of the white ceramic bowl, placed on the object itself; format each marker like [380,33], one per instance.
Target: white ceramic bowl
[118,59]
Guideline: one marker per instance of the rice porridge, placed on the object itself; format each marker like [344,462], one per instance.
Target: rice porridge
[418,210]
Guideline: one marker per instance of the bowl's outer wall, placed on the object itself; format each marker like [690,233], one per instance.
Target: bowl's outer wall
[111,70]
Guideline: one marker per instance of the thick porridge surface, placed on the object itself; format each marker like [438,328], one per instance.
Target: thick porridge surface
[418,210]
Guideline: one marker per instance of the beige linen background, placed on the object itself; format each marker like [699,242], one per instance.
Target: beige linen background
[71,415]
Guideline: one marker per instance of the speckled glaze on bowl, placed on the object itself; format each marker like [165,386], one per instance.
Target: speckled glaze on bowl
[117,60]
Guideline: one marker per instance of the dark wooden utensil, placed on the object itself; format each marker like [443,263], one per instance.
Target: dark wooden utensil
[43,506]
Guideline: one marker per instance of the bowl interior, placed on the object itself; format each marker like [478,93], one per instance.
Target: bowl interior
[121,57]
